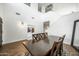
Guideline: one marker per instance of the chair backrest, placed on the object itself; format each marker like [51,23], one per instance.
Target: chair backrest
[39,36]
[55,48]
[45,35]
[35,38]
[62,38]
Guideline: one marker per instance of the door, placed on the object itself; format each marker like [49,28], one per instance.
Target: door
[75,35]
[0,31]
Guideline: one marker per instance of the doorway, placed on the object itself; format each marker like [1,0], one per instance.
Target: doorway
[1,32]
[75,35]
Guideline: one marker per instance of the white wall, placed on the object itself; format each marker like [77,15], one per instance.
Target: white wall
[64,26]
[1,15]
[13,30]
[1,10]
[61,20]
[64,23]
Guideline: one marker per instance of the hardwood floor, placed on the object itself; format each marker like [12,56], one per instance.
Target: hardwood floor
[17,49]
[14,49]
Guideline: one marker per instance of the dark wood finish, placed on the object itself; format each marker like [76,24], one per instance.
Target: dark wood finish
[39,36]
[52,52]
[41,47]
[18,49]
[14,49]
[55,51]
[57,47]
[62,39]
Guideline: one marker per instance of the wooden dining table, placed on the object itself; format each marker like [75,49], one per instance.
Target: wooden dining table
[42,47]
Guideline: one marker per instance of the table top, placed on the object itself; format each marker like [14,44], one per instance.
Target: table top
[41,47]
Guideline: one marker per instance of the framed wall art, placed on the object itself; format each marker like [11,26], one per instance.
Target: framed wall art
[30,29]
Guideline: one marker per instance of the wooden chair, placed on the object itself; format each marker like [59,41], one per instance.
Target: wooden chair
[45,35]
[57,47]
[55,51]
[42,36]
[35,38]
[62,39]
[39,36]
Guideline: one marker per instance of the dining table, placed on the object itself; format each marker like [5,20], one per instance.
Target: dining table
[41,47]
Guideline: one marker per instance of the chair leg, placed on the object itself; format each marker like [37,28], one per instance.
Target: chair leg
[60,51]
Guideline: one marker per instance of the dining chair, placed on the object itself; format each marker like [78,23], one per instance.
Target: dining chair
[55,51]
[62,39]
[39,36]
[45,35]
[57,47]
[35,38]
